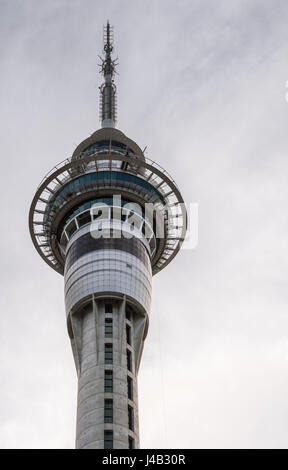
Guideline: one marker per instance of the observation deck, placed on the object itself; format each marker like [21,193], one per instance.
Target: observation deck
[102,165]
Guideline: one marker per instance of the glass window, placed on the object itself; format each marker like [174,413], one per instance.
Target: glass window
[108,353]
[115,143]
[128,334]
[108,439]
[129,360]
[108,308]
[130,387]
[84,218]
[108,327]
[131,442]
[128,313]
[71,228]
[130,418]
[108,381]
[108,411]
[89,180]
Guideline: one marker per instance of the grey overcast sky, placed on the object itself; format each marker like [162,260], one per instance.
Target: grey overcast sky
[202,84]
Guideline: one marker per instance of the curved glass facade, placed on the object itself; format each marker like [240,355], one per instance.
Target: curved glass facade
[90,181]
[108,145]
[86,244]
[88,205]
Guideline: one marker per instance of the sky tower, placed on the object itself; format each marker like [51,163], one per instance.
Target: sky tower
[108,219]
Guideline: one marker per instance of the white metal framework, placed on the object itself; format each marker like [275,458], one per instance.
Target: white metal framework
[103,160]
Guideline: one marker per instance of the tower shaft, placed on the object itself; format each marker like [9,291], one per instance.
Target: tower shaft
[107,294]
[107,383]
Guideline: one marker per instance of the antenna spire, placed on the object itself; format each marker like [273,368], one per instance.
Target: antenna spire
[108,88]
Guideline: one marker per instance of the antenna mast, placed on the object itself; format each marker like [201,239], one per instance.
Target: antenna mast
[108,89]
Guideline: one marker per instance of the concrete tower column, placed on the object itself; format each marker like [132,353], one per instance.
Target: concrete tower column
[107,293]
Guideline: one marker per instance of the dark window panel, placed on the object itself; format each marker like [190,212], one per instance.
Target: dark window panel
[108,327]
[129,360]
[108,381]
[108,353]
[87,243]
[128,334]
[108,308]
[131,442]
[108,411]
[108,439]
[130,418]
[130,388]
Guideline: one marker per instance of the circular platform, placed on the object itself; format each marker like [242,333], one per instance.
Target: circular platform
[108,160]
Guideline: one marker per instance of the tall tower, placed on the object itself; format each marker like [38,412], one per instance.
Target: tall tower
[108,218]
